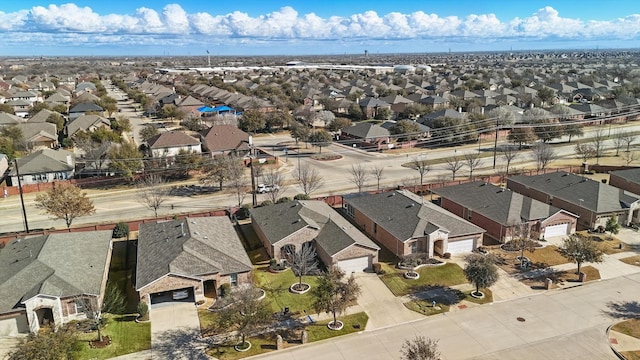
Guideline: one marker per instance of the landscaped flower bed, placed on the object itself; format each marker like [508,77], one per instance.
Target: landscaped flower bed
[417,261]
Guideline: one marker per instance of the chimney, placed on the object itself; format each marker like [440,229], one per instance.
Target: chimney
[182,229]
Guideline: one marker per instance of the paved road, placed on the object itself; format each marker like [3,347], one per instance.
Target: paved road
[562,324]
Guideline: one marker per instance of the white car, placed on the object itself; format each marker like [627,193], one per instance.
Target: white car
[180,294]
[263,188]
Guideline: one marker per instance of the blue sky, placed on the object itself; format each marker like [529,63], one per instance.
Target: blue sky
[189,27]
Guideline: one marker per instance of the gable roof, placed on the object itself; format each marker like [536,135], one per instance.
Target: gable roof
[42,116]
[85,122]
[225,137]
[366,131]
[61,264]
[32,131]
[85,107]
[171,139]
[500,205]
[189,247]
[335,233]
[589,194]
[9,119]
[44,161]
[406,215]
[631,175]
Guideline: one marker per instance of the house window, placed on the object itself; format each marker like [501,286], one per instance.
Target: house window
[79,307]
[414,247]
[375,228]
[233,279]
[348,209]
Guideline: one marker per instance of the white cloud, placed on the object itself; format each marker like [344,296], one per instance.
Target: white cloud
[75,23]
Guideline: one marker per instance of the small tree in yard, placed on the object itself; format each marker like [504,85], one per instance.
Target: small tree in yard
[320,138]
[152,193]
[308,178]
[612,226]
[585,152]
[303,263]
[578,249]
[332,294]
[481,271]
[420,348]
[246,314]
[60,344]
[523,240]
[65,201]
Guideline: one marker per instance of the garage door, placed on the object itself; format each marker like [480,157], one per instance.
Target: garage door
[354,265]
[14,325]
[461,246]
[170,296]
[555,230]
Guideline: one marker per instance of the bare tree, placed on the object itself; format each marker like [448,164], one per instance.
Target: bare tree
[509,153]
[247,313]
[276,180]
[96,154]
[304,262]
[152,193]
[308,178]
[597,141]
[420,348]
[628,138]
[473,162]
[92,309]
[378,173]
[585,152]
[453,164]
[422,167]
[618,141]
[630,157]
[238,179]
[523,238]
[543,154]
[359,176]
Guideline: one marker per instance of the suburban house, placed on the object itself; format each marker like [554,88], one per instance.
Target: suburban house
[366,135]
[286,227]
[4,165]
[194,254]
[44,165]
[48,280]
[501,211]
[406,224]
[595,202]
[89,123]
[628,180]
[171,143]
[84,108]
[225,139]
[39,135]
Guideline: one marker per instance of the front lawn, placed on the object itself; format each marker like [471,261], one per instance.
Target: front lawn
[127,336]
[444,275]
[352,323]
[562,277]
[276,285]
[632,260]
[540,258]
[426,307]
[629,327]
[488,296]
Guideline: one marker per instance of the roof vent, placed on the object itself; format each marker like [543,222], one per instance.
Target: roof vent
[196,233]
[411,205]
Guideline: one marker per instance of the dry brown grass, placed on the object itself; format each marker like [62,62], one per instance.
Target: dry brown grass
[560,278]
[540,258]
[631,355]
[632,260]
[608,244]
[629,327]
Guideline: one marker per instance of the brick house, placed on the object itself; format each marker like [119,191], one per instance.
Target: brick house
[594,201]
[225,139]
[171,143]
[405,224]
[44,165]
[196,254]
[500,211]
[46,280]
[628,179]
[284,228]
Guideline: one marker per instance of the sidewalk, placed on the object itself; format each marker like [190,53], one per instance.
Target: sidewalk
[620,342]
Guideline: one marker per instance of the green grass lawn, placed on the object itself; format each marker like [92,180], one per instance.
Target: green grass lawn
[319,330]
[445,275]
[426,308]
[277,289]
[488,297]
[127,336]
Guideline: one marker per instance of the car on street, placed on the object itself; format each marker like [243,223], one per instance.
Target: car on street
[266,188]
[180,294]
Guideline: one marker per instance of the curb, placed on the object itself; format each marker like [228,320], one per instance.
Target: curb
[611,345]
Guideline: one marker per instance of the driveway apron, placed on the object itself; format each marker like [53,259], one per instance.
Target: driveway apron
[175,331]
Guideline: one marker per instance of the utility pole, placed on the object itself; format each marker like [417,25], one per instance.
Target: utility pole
[495,144]
[254,197]
[24,211]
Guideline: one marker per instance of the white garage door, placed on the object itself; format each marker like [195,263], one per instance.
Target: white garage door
[555,230]
[354,265]
[461,246]
[14,326]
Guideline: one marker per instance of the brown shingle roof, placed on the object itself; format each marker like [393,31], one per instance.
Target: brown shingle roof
[224,137]
[171,139]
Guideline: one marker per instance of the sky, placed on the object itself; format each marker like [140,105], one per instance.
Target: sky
[275,27]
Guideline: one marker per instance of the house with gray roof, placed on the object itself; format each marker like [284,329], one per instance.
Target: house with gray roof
[88,123]
[367,135]
[502,212]
[405,224]
[628,179]
[83,108]
[194,254]
[46,280]
[286,227]
[595,202]
[39,135]
[44,165]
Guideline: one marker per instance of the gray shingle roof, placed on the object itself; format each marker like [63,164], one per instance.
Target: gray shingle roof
[589,194]
[44,161]
[405,215]
[208,245]
[366,131]
[502,206]
[631,175]
[85,107]
[65,264]
[335,233]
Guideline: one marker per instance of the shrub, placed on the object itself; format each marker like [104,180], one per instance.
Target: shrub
[143,309]
[121,230]
[377,268]
[266,203]
[302,197]
[283,199]
[273,262]
[225,289]
[447,255]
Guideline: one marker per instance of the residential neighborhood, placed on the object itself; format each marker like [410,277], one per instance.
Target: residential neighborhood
[267,207]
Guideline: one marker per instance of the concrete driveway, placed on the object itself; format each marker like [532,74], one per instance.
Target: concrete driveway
[175,331]
[383,308]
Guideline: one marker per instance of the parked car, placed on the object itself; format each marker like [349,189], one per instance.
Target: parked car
[180,294]
[265,188]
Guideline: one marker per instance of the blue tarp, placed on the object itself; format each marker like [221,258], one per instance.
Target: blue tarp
[223,108]
[205,109]
[217,109]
